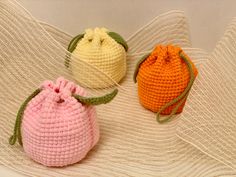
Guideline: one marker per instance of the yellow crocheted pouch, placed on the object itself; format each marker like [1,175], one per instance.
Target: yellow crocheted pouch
[103,49]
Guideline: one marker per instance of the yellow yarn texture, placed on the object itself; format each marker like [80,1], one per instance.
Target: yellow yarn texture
[100,50]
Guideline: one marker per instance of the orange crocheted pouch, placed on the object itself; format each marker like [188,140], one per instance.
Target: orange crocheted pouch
[164,79]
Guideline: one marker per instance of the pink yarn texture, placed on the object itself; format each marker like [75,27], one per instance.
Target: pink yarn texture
[57,130]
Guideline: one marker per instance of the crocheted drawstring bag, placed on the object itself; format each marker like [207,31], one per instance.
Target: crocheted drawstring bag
[103,49]
[164,79]
[57,123]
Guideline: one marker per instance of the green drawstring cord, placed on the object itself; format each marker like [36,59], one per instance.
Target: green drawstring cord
[90,101]
[138,65]
[183,96]
[17,128]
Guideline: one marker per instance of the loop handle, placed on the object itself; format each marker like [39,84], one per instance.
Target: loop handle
[183,96]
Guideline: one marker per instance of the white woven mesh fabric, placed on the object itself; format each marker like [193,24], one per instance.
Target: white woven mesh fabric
[132,142]
[209,120]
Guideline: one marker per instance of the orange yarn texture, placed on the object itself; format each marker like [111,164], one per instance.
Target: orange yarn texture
[162,77]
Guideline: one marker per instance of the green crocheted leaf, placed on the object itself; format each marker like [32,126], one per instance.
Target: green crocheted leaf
[71,47]
[138,65]
[67,61]
[97,100]
[74,41]
[118,39]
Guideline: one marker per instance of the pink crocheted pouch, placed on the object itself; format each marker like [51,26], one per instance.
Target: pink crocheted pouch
[57,125]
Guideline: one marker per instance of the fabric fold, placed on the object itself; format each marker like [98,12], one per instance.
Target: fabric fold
[209,120]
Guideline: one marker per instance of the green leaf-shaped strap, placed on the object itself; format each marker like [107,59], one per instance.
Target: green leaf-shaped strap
[118,39]
[138,65]
[17,128]
[97,100]
[74,41]
[72,46]
[183,96]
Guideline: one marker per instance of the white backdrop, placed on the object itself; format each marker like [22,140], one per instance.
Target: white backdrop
[207,19]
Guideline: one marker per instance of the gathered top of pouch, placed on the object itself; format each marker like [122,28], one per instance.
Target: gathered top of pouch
[103,49]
